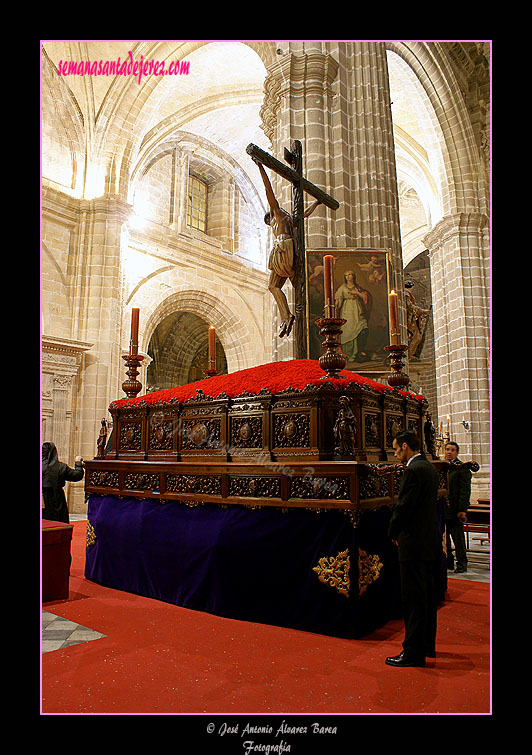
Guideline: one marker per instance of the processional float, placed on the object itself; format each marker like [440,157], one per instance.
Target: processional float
[282,475]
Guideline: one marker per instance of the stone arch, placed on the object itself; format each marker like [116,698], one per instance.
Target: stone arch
[125,110]
[219,161]
[179,349]
[63,138]
[457,247]
[267,51]
[232,330]
[126,103]
[450,116]
[128,107]
[193,153]
[175,124]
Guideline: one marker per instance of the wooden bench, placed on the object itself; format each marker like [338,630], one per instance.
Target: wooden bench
[472,527]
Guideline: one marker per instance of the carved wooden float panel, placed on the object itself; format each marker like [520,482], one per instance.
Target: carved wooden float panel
[321,485]
[288,426]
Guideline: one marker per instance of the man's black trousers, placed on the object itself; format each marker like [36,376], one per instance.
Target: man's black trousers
[418,594]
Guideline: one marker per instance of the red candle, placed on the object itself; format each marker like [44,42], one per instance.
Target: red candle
[328,284]
[134,342]
[392,305]
[212,348]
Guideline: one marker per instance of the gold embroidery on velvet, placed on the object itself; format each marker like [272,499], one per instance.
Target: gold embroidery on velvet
[368,570]
[91,534]
[334,571]
[444,540]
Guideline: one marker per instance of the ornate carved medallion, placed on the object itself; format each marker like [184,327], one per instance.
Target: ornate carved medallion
[91,534]
[372,430]
[161,435]
[289,428]
[130,436]
[102,479]
[246,432]
[141,481]
[265,487]
[199,434]
[211,484]
[368,570]
[202,434]
[292,430]
[334,571]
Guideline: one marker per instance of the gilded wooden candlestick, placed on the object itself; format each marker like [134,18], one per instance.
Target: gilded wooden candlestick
[333,360]
[397,355]
[132,386]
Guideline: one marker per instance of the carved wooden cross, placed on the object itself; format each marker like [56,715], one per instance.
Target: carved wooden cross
[299,185]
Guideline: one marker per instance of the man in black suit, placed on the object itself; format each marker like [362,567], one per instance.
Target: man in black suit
[413,528]
[456,507]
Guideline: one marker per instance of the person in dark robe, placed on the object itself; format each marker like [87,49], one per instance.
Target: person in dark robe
[54,475]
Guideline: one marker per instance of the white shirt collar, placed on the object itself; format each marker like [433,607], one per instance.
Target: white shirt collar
[413,457]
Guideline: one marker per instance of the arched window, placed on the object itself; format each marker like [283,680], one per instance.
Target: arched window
[197,204]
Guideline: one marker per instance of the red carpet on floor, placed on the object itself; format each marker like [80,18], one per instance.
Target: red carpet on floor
[158,658]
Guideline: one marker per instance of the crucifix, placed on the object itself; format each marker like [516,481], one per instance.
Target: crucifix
[288,261]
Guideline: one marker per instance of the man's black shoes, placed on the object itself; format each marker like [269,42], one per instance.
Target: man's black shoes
[403,661]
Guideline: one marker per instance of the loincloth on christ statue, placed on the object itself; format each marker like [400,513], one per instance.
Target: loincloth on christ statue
[281,259]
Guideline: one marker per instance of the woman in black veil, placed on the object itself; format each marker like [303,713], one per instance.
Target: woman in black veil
[54,475]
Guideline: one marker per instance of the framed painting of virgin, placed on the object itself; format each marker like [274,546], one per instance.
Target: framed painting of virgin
[361,287]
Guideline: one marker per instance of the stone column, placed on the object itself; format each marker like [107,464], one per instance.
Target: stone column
[231,224]
[174,190]
[180,188]
[298,99]
[338,106]
[60,425]
[373,193]
[461,334]
[221,212]
[100,316]
[297,103]
[364,158]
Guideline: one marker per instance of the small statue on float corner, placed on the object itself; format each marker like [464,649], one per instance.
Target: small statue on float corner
[345,429]
[430,436]
[102,438]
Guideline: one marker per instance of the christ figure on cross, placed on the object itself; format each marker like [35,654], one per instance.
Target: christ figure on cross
[281,260]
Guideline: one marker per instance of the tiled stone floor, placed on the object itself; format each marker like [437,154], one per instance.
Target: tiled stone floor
[478,567]
[60,633]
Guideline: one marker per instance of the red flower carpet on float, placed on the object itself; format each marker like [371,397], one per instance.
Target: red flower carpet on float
[160,658]
[273,377]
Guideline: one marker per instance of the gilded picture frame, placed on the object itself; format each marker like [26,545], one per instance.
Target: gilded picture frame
[362,281]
